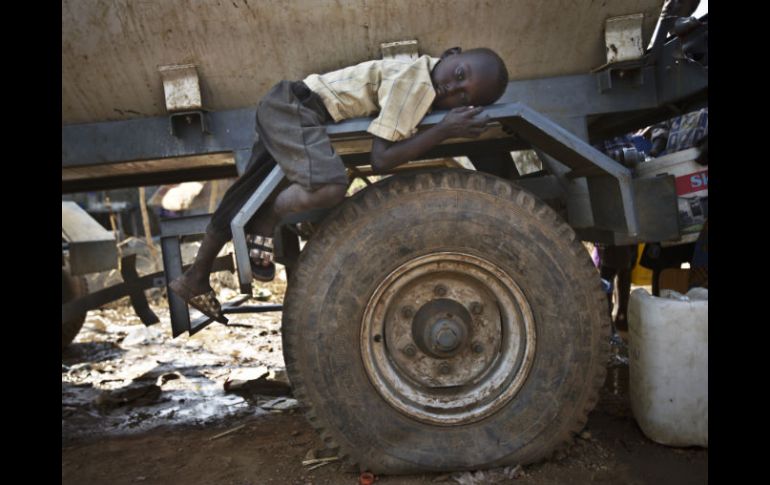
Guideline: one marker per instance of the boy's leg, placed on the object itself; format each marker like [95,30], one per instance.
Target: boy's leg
[195,281]
[291,200]
[296,198]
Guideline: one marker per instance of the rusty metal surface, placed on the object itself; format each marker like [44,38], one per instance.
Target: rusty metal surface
[415,307]
[111,49]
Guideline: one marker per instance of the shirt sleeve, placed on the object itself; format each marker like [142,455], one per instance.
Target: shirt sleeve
[404,101]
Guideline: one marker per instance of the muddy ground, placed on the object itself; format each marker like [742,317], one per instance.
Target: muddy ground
[141,407]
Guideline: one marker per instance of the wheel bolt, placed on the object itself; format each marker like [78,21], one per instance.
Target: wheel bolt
[444,368]
[440,290]
[477,347]
[477,308]
[407,312]
[409,350]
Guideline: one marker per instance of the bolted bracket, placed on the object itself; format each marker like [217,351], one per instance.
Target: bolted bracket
[187,118]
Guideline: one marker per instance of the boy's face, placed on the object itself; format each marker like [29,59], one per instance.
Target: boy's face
[463,79]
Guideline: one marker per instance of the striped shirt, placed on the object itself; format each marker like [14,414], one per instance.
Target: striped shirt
[401,91]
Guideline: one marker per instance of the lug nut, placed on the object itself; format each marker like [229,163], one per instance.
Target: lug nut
[478,348]
[440,290]
[407,312]
[477,308]
[409,350]
[444,368]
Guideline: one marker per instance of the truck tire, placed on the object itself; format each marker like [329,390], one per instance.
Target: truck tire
[444,321]
[72,287]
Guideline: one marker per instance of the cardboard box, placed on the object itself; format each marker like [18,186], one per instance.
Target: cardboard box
[674,279]
[691,189]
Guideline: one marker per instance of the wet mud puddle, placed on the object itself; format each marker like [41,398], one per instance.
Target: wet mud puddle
[121,377]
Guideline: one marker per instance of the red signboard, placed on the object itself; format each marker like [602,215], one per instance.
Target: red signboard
[693,182]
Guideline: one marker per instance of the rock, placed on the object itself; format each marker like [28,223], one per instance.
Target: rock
[280,375]
[585,435]
[142,335]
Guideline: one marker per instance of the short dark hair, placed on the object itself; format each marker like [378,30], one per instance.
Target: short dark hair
[501,75]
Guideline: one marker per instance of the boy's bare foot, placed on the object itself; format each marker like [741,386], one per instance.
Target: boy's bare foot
[199,296]
[188,286]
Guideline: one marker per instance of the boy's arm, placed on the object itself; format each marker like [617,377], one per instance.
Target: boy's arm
[458,123]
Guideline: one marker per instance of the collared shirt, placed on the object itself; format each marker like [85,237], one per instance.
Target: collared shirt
[401,91]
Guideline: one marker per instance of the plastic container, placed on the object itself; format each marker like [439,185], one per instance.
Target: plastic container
[668,365]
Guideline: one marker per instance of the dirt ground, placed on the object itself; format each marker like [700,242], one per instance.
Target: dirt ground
[141,407]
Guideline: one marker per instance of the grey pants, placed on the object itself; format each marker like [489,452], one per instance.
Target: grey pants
[290,131]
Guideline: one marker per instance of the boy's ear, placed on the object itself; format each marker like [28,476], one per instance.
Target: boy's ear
[451,51]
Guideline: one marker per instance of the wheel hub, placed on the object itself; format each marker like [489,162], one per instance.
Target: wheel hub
[441,327]
[463,353]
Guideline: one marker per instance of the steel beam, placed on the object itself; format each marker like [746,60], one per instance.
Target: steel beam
[150,139]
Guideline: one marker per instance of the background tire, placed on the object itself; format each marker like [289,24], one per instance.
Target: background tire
[72,287]
[512,285]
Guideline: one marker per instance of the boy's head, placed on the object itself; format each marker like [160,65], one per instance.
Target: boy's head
[476,77]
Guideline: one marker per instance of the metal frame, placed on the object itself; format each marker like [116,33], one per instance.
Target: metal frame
[603,102]
[242,218]
[563,115]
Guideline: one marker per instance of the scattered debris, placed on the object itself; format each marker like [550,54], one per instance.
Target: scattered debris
[141,335]
[320,465]
[496,475]
[280,404]
[220,435]
[135,395]
[320,460]
[169,377]
[366,478]
[515,472]
[261,386]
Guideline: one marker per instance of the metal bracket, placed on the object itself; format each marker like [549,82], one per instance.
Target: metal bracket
[188,117]
[619,74]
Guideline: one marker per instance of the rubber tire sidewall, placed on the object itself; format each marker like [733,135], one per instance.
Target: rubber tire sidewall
[405,217]
[72,287]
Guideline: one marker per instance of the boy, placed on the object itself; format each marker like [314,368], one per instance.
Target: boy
[290,131]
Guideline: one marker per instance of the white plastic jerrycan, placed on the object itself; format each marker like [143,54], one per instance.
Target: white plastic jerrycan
[668,365]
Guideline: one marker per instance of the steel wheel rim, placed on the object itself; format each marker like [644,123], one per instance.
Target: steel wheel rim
[448,338]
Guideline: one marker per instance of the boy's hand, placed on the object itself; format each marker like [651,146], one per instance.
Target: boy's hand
[464,122]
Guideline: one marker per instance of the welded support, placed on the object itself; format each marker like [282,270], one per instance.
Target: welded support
[136,292]
[568,149]
[171,231]
[240,220]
